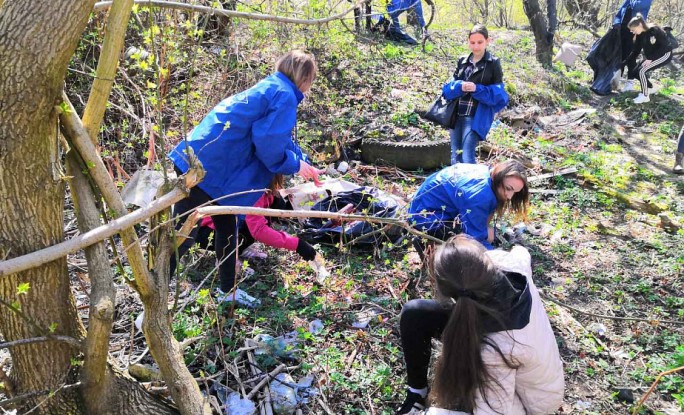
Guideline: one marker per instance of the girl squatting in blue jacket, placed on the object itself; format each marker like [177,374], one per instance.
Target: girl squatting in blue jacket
[242,144]
[478,86]
[463,198]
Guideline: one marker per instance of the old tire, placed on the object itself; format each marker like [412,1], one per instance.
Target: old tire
[409,156]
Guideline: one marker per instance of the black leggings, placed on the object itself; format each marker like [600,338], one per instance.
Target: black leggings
[421,321]
[641,71]
[225,239]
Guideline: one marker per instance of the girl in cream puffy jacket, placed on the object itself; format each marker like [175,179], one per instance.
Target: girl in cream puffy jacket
[524,373]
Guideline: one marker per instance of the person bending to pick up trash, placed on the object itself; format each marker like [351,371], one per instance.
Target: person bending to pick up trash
[653,41]
[392,27]
[499,354]
[257,228]
[464,198]
[242,144]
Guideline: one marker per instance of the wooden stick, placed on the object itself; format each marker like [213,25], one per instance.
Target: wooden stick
[655,383]
[228,13]
[561,172]
[265,380]
[60,250]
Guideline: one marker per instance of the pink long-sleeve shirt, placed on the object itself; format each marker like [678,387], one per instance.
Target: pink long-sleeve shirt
[260,230]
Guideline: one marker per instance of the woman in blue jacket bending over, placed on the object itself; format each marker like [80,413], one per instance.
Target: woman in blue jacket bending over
[463,198]
[478,86]
[242,144]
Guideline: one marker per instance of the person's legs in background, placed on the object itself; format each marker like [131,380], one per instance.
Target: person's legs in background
[679,156]
[456,135]
[470,142]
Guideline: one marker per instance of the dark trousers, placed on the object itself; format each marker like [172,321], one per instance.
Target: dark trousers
[680,145]
[627,42]
[225,239]
[420,322]
[641,71]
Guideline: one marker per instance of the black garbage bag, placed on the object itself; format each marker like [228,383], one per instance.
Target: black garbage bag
[605,57]
[367,201]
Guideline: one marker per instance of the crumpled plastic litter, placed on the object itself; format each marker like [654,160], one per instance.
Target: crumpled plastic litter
[236,405]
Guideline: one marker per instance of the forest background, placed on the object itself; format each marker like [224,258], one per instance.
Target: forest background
[607,236]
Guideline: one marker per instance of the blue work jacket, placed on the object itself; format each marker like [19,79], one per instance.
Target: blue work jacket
[461,191]
[490,93]
[636,6]
[245,140]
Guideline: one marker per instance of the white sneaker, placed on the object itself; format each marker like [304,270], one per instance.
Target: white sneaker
[241,298]
[641,98]
[628,86]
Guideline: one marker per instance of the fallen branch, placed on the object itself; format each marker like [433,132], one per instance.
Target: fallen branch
[561,172]
[646,320]
[631,202]
[265,380]
[65,339]
[655,383]
[227,13]
[60,250]
[239,210]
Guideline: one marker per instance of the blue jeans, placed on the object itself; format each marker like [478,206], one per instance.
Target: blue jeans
[463,141]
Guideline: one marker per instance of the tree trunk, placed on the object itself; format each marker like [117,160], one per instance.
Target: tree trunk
[32,191]
[37,40]
[544,49]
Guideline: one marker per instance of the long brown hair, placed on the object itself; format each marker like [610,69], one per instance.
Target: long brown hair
[520,200]
[466,277]
[276,184]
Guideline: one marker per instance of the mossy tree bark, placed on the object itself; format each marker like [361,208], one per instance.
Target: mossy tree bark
[37,39]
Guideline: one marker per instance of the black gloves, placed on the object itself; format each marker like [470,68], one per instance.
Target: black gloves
[306,251]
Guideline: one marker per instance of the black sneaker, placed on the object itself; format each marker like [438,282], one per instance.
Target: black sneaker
[414,404]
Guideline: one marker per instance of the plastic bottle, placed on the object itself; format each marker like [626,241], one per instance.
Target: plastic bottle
[283,397]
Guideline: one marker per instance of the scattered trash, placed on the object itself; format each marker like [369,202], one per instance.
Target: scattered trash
[520,229]
[318,265]
[283,396]
[597,328]
[282,346]
[582,405]
[363,318]
[568,53]
[625,395]
[315,326]
[236,405]
[557,236]
[343,167]
[139,321]
[140,54]
[142,187]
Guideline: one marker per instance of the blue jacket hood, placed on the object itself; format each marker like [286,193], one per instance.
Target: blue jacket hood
[245,140]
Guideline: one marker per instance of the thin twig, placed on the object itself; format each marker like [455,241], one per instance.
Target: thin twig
[655,383]
[647,320]
[65,339]
[227,13]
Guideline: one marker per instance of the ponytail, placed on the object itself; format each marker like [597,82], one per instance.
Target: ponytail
[466,277]
[638,20]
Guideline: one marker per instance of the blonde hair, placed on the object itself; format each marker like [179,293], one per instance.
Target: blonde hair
[299,66]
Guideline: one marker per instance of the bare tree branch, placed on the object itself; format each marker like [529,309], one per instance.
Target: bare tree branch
[230,13]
